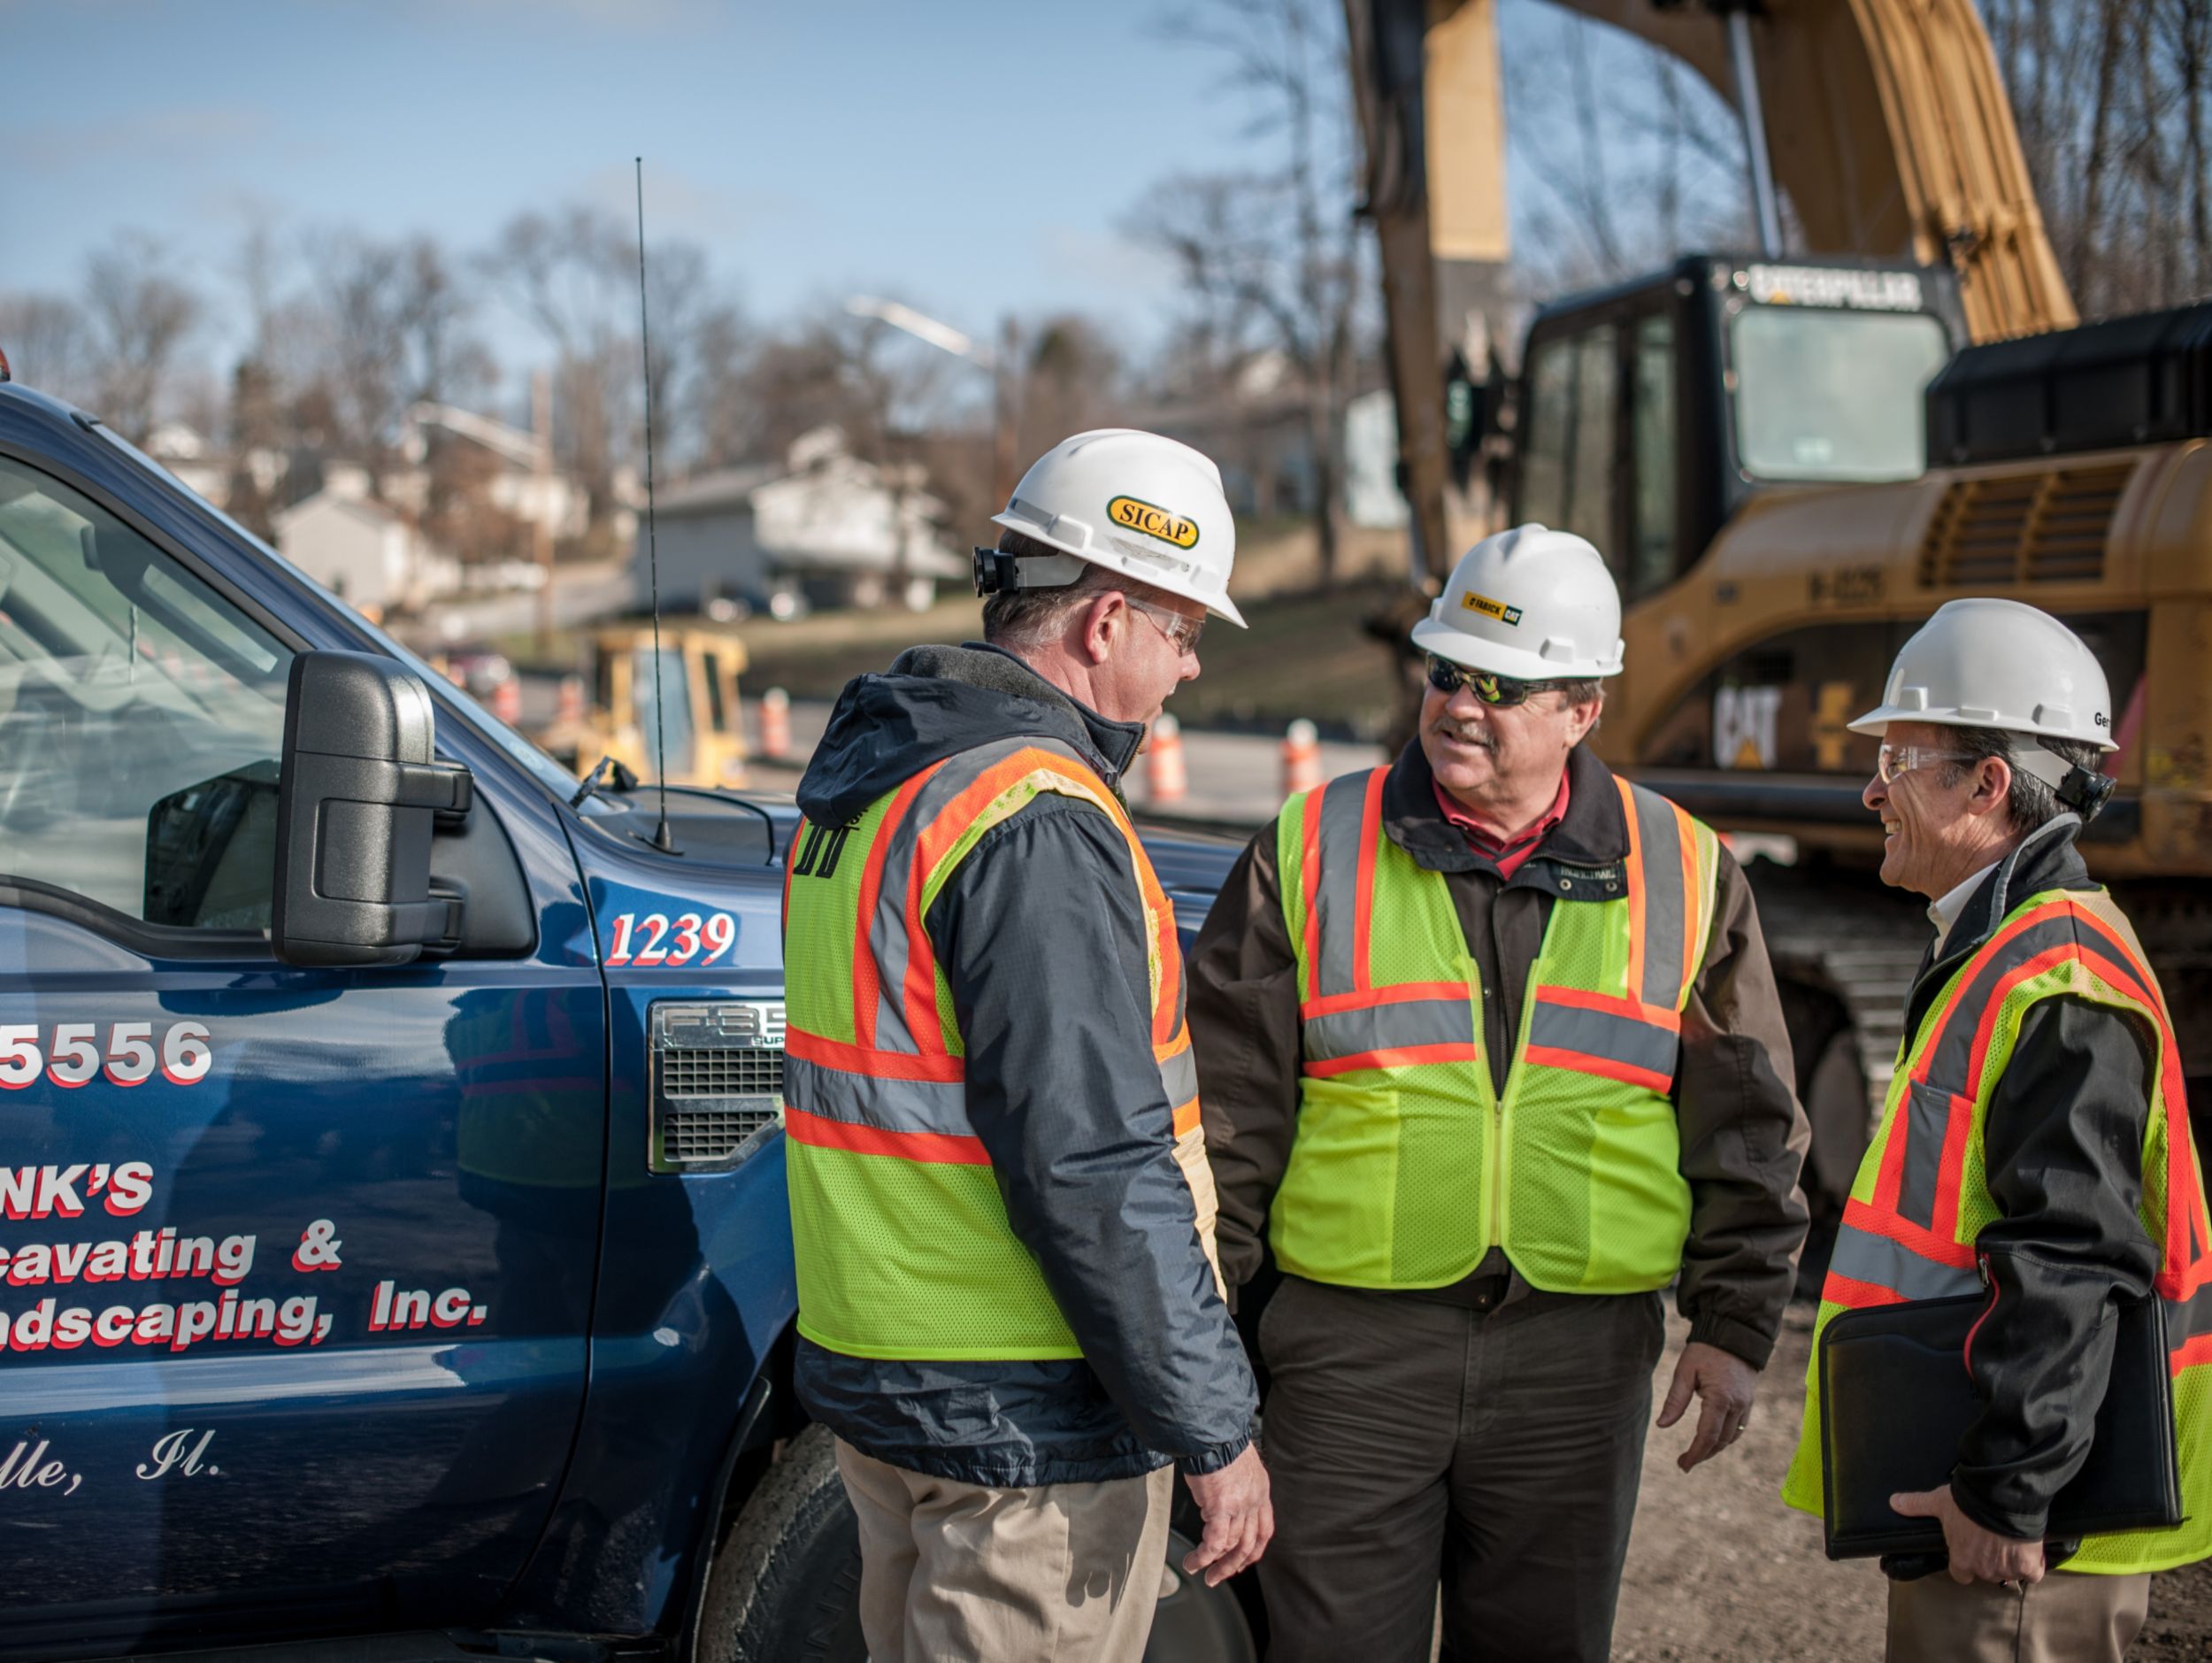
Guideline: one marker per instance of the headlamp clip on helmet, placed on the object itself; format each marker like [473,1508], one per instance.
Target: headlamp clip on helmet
[999,573]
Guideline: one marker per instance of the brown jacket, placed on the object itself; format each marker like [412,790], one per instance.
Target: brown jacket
[1743,1136]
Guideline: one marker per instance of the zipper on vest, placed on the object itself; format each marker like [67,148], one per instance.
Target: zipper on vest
[1989,1281]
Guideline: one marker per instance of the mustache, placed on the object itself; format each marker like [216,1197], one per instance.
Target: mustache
[1466,733]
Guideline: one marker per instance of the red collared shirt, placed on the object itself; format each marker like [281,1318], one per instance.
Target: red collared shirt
[1487,841]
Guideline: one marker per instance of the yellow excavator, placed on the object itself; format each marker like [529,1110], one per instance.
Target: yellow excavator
[1793,458]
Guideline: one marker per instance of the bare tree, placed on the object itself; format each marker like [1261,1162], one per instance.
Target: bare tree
[49,345]
[141,316]
[1272,259]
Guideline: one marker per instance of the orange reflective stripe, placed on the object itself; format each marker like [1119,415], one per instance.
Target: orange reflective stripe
[1924,1243]
[1857,1295]
[867,984]
[942,1149]
[1396,1056]
[1633,874]
[1607,1067]
[1186,1118]
[1692,901]
[880,1065]
[1396,993]
[1634,1010]
[1364,905]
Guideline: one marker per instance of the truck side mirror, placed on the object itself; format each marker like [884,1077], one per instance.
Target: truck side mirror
[359,790]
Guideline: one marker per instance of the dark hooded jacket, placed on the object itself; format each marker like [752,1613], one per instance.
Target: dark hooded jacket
[2062,1141]
[1743,1137]
[1041,936]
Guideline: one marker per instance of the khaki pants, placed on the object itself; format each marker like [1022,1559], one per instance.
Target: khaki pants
[2066,1618]
[951,1573]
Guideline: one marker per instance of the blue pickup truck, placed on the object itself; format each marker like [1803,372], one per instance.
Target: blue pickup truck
[393,1255]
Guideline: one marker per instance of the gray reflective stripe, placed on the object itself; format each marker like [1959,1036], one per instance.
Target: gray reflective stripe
[1387,1027]
[1336,898]
[887,931]
[1178,1078]
[2188,1319]
[892,1106]
[1863,1256]
[1659,843]
[1603,1034]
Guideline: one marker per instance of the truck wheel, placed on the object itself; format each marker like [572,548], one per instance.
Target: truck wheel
[786,1584]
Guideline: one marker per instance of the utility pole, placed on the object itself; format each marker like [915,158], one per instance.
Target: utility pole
[542,516]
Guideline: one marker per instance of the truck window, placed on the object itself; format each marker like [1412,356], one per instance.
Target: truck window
[141,720]
[1567,465]
[1833,395]
[1651,555]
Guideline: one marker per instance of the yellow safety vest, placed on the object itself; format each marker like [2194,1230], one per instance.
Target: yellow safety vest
[903,1242]
[1922,1198]
[1406,1167]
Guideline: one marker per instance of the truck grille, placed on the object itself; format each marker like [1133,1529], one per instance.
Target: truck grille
[716,1082]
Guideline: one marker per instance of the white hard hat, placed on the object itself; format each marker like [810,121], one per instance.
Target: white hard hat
[1532,603]
[1990,662]
[1148,507]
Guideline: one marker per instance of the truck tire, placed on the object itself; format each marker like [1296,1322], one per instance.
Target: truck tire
[786,1582]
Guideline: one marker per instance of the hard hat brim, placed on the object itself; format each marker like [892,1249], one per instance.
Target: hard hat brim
[1105,558]
[1475,652]
[1876,722]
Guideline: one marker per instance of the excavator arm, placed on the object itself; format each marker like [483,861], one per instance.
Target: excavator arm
[1886,125]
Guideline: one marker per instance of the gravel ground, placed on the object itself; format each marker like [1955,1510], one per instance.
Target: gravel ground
[1719,1569]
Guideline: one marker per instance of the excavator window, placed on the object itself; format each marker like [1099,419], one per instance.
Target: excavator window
[1567,479]
[1651,564]
[1833,395]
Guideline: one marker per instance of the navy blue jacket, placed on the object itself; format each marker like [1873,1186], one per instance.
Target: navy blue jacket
[1041,935]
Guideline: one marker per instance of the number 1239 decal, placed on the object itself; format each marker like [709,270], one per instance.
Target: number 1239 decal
[652,940]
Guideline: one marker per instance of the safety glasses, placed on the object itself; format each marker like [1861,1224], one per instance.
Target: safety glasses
[1500,690]
[1182,633]
[1892,760]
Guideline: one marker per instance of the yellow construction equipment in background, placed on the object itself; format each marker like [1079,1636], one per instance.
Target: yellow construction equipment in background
[705,734]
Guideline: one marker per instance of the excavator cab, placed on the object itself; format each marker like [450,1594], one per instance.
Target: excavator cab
[1649,412]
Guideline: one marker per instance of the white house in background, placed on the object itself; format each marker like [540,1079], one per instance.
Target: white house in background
[516,486]
[363,552]
[826,526]
[185,453]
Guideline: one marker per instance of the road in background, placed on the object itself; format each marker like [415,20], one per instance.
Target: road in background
[1234,779]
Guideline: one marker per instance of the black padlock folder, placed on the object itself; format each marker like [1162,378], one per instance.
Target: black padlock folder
[1895,1398]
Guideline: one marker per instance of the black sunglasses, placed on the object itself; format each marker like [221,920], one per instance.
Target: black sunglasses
[1447,678]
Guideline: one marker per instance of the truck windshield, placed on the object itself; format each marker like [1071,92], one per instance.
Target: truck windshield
[1833,395]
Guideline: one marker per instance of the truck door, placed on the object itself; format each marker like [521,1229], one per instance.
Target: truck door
[294,1266]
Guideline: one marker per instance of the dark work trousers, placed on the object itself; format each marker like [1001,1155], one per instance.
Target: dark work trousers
[1495,1448]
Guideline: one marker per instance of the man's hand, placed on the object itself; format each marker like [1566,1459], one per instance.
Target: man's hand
[1240,1517]
[1977,1555]
[1725,1382]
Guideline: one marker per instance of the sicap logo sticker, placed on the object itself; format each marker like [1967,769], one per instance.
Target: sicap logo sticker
[1154,522]
[1489,608]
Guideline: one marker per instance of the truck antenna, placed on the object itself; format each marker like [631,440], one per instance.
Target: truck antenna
[662,840]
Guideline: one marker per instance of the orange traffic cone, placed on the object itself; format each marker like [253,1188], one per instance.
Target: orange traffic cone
[1302,758]
[1165,779]
[507,701]
[571,707]
[775,723]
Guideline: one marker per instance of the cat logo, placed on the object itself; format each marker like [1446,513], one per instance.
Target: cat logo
[1489,608]
[1154,522]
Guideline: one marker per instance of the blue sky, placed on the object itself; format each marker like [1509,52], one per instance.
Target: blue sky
[970,158]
